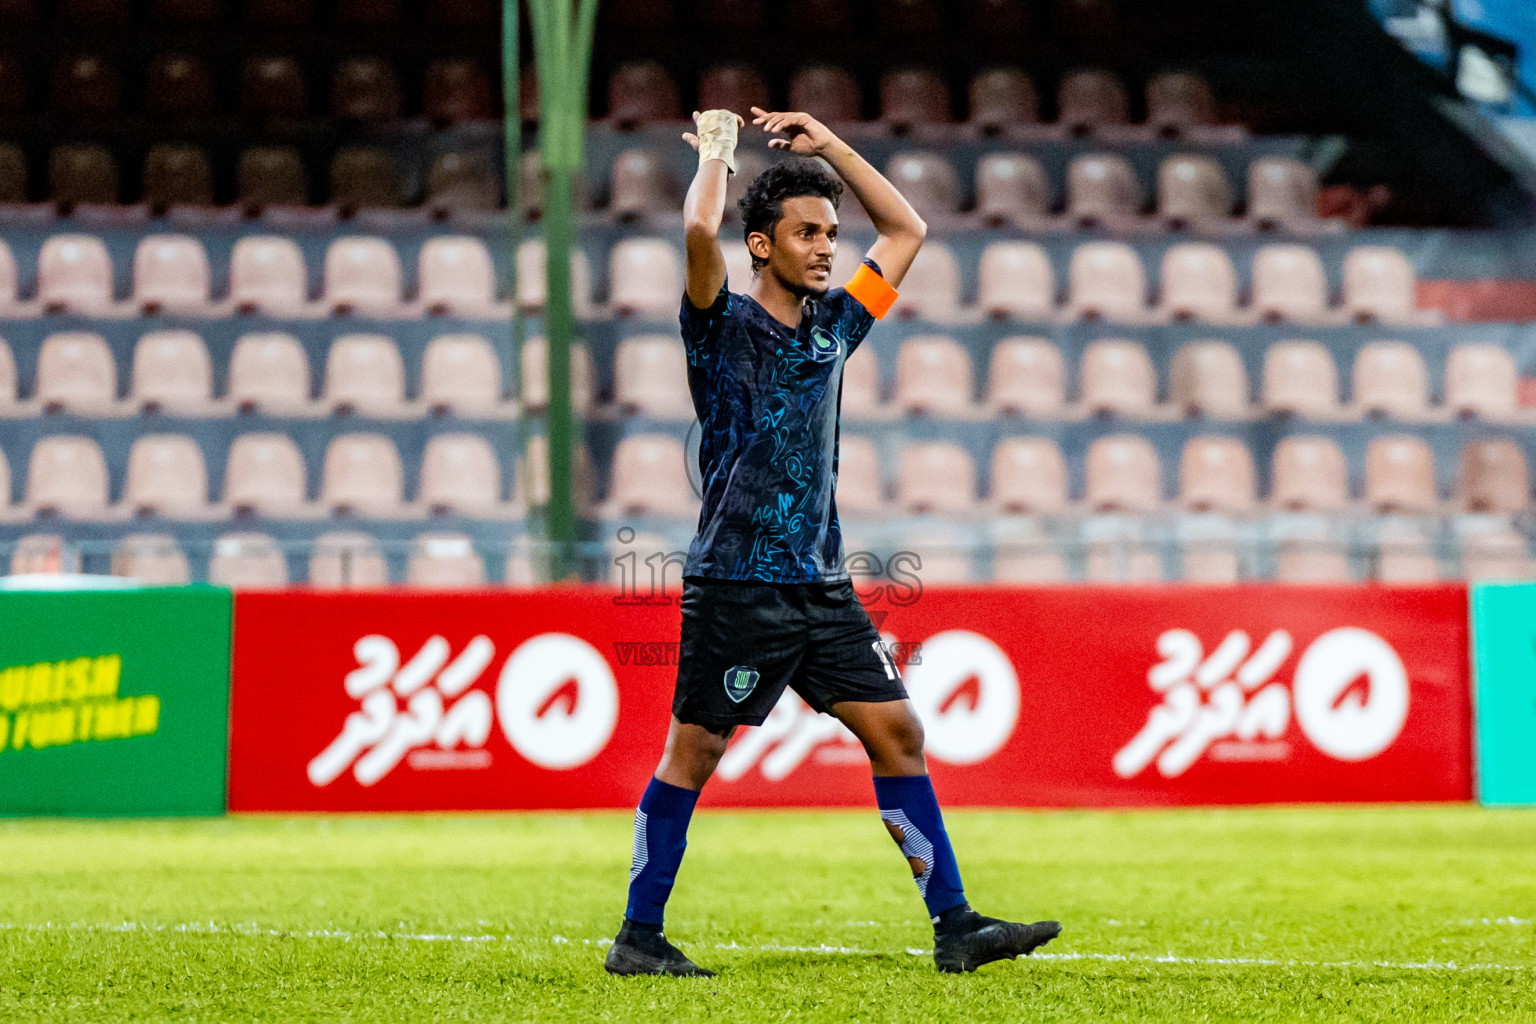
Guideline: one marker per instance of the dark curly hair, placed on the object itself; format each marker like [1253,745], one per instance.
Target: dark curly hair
[763,206]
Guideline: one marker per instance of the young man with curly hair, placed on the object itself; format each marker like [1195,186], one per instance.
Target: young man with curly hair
[767,600]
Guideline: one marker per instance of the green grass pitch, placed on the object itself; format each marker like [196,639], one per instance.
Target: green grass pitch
[1404,914]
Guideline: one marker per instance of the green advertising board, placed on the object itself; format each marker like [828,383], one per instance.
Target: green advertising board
[1504,677]
[114,701]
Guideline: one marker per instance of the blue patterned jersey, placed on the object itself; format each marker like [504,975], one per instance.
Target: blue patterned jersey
[768,398]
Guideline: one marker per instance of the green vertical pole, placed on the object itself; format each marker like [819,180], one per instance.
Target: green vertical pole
[512,158]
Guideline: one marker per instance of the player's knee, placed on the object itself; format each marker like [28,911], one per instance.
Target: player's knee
[907,736]
[696,751]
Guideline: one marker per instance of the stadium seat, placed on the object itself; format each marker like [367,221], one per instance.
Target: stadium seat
[365,177]
[640,93]
[1391,380]
[76,373]
[1123,474]
[86,86]
[172,373]
[43,553]
[67,476]
[1118,378]
[247,561]
[1310,554]
[831,91]
[650,477]
[270,176]
[266,274]
[363,275]
[170,274]
[641,184]
[735,87]
[933,377]
[1379,285]
[1207,378]
[1198,283]
[153,559]
[461,374]
[1192,191]
[1036,562]
[264,474]
[9,384]
[166,476]
[1118,552]
[913,98]
[1400,475]
[861,389]
[531,281]
[1493,477]
[1001,98]
[1026,377]
[74,274]
[82,174]
[533,477]
[364,89]
[462,181]
[459,476]
[456,276]
[456,89]
[272,88]
[177,176]
[444,561]
[650,377]
[1090,99]
[1102,190]
[928,182]
[1289,284]
[1209,561]
[935,478]
[364,374]
[1011,188]
[178,86]
[931,289]
[347,560]
[1282,191]
[1106,281]
[937,554]
[1497,553]
[1177,101]
[1300,378]
[859,488]
[535,376]
[1015,280]
[1309,475]
[645,279]
[1029,477]
[362,475]
[1216,474]
[1481,380]
[269,372]
[1403,554]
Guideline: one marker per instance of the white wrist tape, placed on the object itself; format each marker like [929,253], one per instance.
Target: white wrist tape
[717,137]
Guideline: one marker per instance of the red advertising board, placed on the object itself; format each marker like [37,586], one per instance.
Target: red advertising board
[1075,696]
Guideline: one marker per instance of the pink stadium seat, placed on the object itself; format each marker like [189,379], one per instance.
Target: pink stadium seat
[154,559]
[933,377]
[67,475]
[364,374]
[531,281]
[938,555]
[1493,477]
[248,561]
[1123,560]
[831,91]
[9,292]
[1400,475]
[1118,377]
[1207,378]
[1031,563]
[935,478]
[1309,475]
[1179,100]
[1216,474]
[9,384]
[1123,475]
[536,376]
[76,373]
[650,377]
[170,272]
[1001,98]
[645,278]
[931,289]
[912,98]
[461,181]
[861,389]
[74,273]
[928,182]
[456,276]
[461,374]
[43,553]
[641,184]
[1011,187]
[1481,380]
[1391,380]
[347,560]
[533,478]
[1192,190]
[166,476]
[1029,477]
[1210,561]
[1102,189]
[264,474]
[266,274]
[1289,284]
[1016,281]
[1498,553]
[269,372]
[362,475]
[650,477]
[859,490]
[641,92]
[1090,99]
[1105,280]
[460,475]
[1379,285]
[1403,554]
[735,87]
[1312,556]
[172,372]
[444,561]
[363,275]
[1027,377]
[1198,283]
[1281,191]
[1301,378]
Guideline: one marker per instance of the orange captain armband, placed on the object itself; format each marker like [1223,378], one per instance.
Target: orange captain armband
[872,291]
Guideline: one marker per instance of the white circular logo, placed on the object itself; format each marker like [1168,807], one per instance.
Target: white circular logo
[1345,725]
[562,736]
[959,732]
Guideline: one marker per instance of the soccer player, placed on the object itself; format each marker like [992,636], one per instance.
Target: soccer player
[767,600]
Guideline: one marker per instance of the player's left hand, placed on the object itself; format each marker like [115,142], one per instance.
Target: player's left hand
[803,134]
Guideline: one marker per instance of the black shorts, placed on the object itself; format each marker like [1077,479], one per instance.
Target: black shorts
[743,643]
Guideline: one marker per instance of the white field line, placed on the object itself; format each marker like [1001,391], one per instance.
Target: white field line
[213,928]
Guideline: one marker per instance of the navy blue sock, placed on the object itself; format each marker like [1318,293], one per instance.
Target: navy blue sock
[911,815]
[661,835]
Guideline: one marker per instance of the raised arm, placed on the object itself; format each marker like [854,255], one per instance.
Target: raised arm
[901,230]
[705,205]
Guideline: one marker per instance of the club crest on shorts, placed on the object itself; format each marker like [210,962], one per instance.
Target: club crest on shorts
[740,680]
